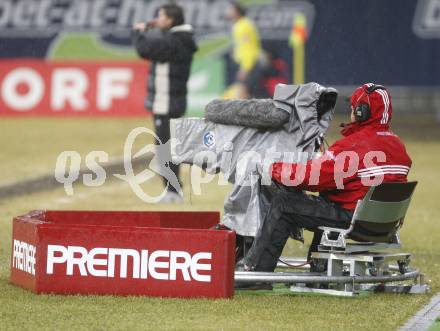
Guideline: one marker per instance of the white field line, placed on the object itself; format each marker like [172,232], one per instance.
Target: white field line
[65,200]
[425,317]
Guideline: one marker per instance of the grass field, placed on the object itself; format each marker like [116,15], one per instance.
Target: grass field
[30,148]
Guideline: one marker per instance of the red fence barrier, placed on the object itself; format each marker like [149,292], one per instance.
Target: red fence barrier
[38,87]
[168,254]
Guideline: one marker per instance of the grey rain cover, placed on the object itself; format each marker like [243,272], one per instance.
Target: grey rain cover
[244,153]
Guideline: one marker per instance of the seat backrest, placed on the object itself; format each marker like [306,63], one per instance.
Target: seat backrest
[380,214]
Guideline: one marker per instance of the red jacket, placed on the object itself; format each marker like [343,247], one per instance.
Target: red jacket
[380,153]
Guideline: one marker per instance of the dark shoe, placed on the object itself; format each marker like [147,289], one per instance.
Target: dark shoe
[241,266]
[242,244]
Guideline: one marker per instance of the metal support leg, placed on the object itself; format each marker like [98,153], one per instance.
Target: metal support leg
[334,267]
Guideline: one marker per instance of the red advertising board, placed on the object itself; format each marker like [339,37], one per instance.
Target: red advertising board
[166,254]
[70,88]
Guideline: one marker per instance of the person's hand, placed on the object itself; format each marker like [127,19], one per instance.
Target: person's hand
[151,24]
[139,26]
[144,26]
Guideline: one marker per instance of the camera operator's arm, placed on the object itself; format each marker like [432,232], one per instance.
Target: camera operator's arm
[325,173]
[156,46]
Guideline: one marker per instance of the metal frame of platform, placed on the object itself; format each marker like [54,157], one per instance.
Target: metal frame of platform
[353,275]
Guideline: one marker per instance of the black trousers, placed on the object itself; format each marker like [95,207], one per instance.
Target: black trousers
[287,212]
[162,129]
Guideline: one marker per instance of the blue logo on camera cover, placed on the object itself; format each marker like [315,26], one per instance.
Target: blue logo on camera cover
[209,139]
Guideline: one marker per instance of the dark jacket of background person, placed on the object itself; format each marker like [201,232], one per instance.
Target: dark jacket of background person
[170,53]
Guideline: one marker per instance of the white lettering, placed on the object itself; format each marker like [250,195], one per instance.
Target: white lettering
[153,264]
[69,86]
[113,83]
[182,266]
[24,257]
[92,261]
[74,259]
[432,17]
[315,171]
[123,254]
[5,12]
[23,13]
[73,171]
[52,259]
[160,264]
[207,161]
[377,179]
[23,101]
[196,266]
[144,264]
[92,163]
[346,166]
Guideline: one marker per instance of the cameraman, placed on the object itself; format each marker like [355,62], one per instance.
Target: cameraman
[369,131]
[169,45]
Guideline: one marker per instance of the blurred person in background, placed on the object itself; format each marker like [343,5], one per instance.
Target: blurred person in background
[169,45]
[247,55]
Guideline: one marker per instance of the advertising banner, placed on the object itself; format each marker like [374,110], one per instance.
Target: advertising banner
[99,31]
[347,43]
[38,87]
[166,254]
